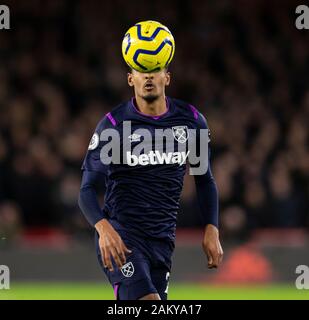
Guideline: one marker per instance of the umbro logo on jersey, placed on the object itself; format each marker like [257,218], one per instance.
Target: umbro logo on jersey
[127,270]
[134,137]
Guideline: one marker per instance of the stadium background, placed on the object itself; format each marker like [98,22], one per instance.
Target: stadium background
[242,63]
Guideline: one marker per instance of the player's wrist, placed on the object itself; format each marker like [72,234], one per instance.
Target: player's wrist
[212,228]
[101,225]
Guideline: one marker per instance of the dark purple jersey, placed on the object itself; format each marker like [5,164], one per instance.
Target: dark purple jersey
[143,191]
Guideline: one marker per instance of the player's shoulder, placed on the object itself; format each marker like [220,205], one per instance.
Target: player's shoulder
[190,111]
[113,118]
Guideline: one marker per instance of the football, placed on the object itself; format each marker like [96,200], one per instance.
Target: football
[148,46]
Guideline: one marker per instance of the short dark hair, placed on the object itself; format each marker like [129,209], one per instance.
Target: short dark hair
[130,69]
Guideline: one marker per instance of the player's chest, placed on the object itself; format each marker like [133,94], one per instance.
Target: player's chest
[162,135]
[149,144]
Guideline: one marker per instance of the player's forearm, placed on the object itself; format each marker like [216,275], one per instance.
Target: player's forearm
[89,205]
[207,195]
[88,200]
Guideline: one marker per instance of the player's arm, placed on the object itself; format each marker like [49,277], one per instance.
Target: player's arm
[110,242]
[207,195]
[94,176]
[92,181]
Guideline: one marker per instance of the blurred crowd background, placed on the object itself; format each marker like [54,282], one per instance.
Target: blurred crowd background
[243,64]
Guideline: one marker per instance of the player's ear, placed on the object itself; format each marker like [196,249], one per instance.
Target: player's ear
[168,78]
[130,79]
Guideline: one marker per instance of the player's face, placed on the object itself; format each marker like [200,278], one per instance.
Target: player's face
[149,86]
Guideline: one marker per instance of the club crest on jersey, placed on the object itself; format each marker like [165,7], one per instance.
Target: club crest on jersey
[94,142]
[127,270]
[181,133]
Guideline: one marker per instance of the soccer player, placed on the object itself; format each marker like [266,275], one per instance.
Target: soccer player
[135,230]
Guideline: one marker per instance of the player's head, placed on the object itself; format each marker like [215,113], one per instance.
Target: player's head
[149,86]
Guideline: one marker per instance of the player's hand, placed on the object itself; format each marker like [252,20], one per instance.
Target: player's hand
[212,246]
[111,245]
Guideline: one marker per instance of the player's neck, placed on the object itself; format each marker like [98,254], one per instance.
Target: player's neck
[154,108]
